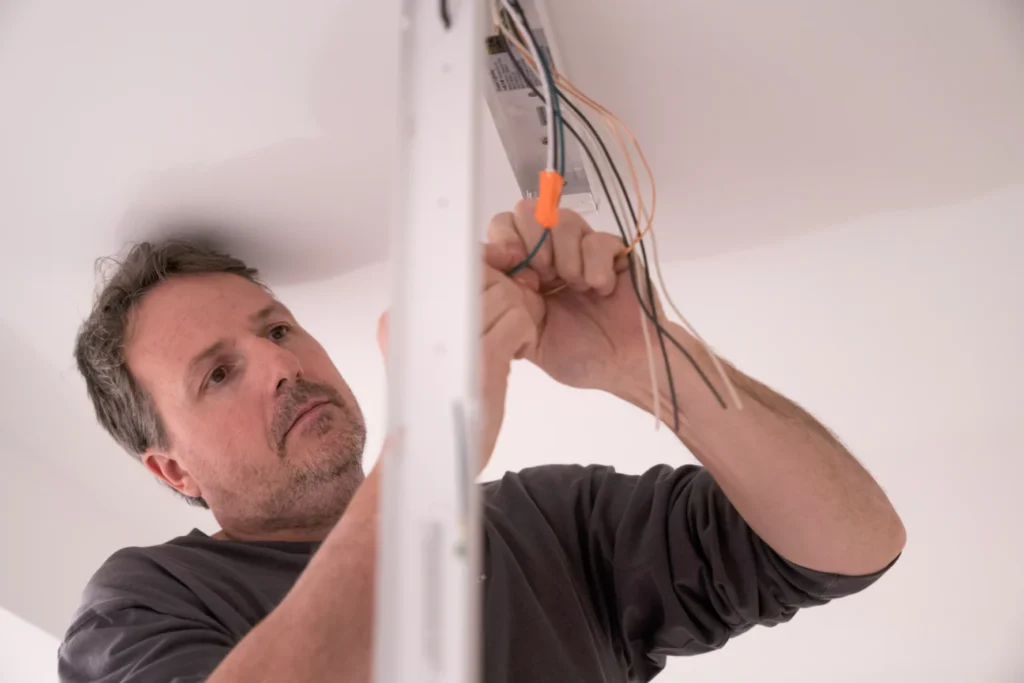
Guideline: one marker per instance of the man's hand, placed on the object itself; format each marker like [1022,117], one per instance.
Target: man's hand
[788,476]
[590,336]
[512,312]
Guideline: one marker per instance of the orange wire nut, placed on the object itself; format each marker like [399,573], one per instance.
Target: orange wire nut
[549,197]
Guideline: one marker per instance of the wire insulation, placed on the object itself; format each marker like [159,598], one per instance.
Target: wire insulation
[634,273]
[446,16]
[533,252]
[519,19]
[609,119]
[650,313]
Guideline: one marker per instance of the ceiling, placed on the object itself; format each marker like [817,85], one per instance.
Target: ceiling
[762,121]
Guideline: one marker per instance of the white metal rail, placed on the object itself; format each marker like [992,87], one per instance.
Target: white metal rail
[427,624]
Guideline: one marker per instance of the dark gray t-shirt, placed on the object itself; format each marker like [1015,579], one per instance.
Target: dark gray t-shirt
[589,575]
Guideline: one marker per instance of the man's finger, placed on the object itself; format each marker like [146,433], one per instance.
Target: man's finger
[493,275]
[393,442]
[497,300]
[502,231]
[512,336]
[530,232]
[503,292]
[534,304]
[503,256]
[528,279]
[568,237]
[383,334]
[600,251]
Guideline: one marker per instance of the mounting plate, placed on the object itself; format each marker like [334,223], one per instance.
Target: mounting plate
[519,117]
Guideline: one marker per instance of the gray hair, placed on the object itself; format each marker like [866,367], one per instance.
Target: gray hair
[122,407]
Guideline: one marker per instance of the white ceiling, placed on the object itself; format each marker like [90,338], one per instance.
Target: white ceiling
[762,121]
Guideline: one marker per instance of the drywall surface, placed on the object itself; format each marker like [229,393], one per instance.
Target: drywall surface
[902,333]
[278,119]
[29,653]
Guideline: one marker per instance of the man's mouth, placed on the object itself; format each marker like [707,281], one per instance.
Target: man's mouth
[309,410]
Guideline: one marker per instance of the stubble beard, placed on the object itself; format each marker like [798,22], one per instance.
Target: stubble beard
[322,483]
[315,487]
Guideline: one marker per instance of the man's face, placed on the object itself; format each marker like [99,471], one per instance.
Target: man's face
[259,421]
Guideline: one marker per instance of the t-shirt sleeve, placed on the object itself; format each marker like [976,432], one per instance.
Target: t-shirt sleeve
[672,566]
[137,625]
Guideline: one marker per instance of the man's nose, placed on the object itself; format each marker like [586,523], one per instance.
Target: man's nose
[283,366]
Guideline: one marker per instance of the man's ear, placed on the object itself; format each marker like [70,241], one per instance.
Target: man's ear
[172,473]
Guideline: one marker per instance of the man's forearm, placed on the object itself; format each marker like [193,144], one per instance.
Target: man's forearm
[791,479]
[323,629]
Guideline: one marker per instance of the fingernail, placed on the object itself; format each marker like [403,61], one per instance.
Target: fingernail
[523,280]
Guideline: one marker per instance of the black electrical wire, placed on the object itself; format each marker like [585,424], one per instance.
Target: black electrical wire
[632,213]
[533,252]
[556,106]
[625,194]
[650,313]
[446,16]
[558,129]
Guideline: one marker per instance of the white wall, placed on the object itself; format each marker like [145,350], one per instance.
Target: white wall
[29,653]
[902,332]
[899,330]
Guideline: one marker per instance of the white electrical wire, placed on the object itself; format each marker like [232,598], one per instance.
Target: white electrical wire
[619,201]
[549,105]
[615,197]
[651,366]
[644,215]
[637,274]
[620,206]
[730,387]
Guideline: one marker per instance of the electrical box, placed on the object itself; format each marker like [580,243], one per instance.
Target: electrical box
[519,116]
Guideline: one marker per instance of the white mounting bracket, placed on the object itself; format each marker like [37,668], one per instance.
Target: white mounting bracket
[520,119]
[427,623]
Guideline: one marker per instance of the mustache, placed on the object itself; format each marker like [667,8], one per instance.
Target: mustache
[291,404]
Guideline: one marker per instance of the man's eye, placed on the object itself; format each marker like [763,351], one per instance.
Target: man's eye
[278,332]
[218,375]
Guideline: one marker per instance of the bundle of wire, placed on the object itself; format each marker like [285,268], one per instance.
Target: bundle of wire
[511,20]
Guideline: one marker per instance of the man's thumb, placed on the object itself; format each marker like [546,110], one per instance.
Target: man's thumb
[382,335]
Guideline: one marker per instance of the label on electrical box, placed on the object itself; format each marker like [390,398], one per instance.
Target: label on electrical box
[520,117]
[504,75]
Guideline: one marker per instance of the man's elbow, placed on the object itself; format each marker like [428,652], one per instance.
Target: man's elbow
[894,539]
[883,539]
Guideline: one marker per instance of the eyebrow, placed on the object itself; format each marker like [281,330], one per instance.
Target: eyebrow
[264,313]
[210,351]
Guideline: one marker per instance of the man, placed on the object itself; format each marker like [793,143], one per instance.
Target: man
[591,575]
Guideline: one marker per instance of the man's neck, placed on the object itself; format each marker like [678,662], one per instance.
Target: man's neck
[313,526]
[310,535]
